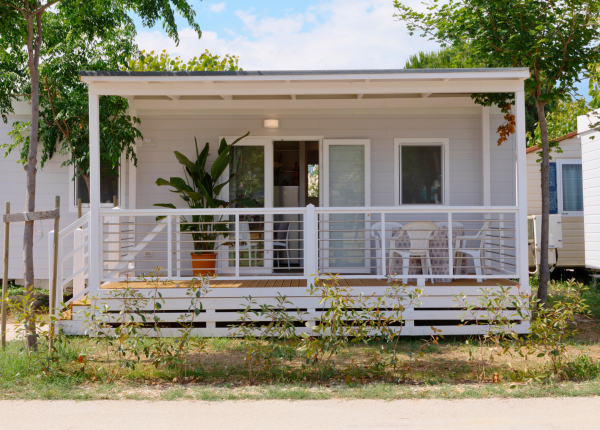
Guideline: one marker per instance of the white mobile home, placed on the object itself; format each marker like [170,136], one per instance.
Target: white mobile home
[566,197]
[590,156]
[397,151]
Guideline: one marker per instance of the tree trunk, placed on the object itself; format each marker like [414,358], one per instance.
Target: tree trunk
[34,42]
[544,272]
[86,178]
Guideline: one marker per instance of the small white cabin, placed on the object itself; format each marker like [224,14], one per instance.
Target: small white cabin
[393,148]
[566,197]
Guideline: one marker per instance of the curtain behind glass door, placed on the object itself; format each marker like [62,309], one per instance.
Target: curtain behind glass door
[347,189]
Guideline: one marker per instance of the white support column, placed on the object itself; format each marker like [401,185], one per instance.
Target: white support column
[95,237]
[485,130]
[311,249]
[521,220]
[131,189]
[132,198]
[169,247]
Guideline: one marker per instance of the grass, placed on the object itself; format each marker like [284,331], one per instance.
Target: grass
[218,371]
[442,372]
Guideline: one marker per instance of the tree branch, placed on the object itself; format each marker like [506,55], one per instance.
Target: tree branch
[43,8]
[12,6]
[51,100]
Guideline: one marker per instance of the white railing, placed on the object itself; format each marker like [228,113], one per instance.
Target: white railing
[292,243]
[73,261]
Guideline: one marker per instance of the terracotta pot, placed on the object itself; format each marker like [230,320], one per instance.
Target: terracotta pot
[204,264]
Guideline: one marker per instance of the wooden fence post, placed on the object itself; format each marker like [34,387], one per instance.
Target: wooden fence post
[54,278]
[5,278]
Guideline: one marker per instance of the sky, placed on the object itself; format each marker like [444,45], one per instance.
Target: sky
[300,34]
[297,34]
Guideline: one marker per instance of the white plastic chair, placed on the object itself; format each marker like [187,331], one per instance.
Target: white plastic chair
[246,243]
[376,234]
[419,233]
[475,253]
[281,233]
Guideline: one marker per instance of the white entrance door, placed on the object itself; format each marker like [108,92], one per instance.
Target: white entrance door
[252,167]
[346,184]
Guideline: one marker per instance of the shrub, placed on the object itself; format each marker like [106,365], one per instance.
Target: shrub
[582,368]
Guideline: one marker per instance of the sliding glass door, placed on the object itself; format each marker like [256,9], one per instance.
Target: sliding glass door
[347,179]
[251,185]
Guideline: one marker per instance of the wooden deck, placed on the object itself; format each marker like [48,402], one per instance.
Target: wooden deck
[287,283]
[221,306]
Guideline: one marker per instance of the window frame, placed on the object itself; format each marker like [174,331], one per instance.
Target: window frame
[126,168]
[444,143]
[559,185]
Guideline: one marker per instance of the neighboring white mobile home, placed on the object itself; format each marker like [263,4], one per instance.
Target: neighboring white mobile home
[393,148]
[566,197]
[590,154]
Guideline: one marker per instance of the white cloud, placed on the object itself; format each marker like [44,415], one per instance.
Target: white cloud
[354,34]
[217,7]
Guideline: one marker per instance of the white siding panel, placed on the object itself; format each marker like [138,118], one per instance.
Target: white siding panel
[51,181]
[590,147]
[464,133]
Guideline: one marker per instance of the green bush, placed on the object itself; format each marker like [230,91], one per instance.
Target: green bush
[582,368]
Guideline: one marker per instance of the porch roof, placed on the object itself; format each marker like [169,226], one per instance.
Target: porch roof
[307,83]
[509,72]
[518,73]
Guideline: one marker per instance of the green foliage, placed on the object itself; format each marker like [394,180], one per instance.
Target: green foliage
[200,190]
[174,353]
[562,121]
[552,326]
[42,51]
[449,58]
[555,39]
[123,335]
[268,335]
[150,62]
[132,343]
[446,58]
[582,367]
[492,306]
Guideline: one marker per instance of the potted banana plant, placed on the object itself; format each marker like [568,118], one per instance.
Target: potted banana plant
[200,189]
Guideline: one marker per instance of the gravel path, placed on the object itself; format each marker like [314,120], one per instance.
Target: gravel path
[489,414]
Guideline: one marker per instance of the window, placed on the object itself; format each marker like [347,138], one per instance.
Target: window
[109,187]
[421,172]
[569,187]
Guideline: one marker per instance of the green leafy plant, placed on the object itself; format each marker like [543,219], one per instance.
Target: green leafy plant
[268,335]
[200,190]
[341,322]
[385,315]
[151,62]
[582,367]
[551,328]
[494,313]
[119,334]
[174,353]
